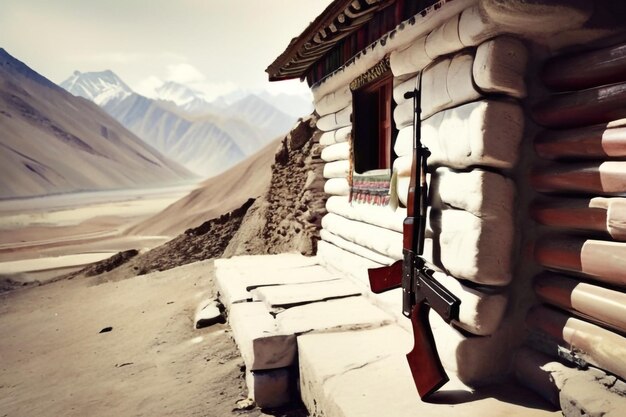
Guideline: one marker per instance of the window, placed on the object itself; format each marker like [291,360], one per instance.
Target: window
[373,127]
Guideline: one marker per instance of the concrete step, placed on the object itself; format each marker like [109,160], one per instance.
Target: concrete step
[280,297]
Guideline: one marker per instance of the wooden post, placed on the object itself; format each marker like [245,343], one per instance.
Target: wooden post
[601,305]
[597,259]
[594,142]
[582,108]
[587,69]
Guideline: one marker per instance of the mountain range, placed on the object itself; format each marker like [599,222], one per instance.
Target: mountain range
[206,137]
[54,142]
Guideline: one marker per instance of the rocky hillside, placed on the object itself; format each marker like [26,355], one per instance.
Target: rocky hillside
[286,217]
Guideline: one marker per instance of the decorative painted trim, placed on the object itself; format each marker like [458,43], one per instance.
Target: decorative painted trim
[377,71]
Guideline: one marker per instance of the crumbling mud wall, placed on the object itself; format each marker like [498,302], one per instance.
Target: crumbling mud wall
[287,217]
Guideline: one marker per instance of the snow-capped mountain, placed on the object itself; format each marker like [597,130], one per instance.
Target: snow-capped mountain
[204,137]
[99,87]
[262,115]
[185,98]
[54,142]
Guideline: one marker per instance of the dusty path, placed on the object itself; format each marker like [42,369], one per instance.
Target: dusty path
[54,361]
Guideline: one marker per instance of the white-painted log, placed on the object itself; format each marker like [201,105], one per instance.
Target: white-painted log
[354,248]
[490,18]
[351,313]
[475,249]
[404,142]
[382,216]
[402,188]
[482,193]
[435,95]
[334,101]
[459,82]
[384,241]
[335,136]
[269,389]
[337,169]
[336,152]
[260,343]
[346,262]
[444,39]
[402,165]
[448,83]
[403,115]
[484,133]
[337,186]
[409,60]
[403,87]
[500,66]
[336,120]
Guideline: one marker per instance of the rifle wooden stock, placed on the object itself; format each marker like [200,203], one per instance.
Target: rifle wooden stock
[385,278]
[426,368]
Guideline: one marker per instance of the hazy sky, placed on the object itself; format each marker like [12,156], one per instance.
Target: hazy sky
[213,45]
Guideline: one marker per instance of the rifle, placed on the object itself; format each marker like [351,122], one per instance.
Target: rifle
[420,289]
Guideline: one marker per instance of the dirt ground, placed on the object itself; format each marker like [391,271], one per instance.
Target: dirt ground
[54,360]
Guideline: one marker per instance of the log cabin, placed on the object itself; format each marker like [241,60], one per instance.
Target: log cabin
[523,109]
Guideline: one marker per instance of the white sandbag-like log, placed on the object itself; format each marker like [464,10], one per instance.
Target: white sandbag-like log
[403,115]
[435,94]
[404,142]
[334,101]
[404,87]
[412,59]
[336,152]
[336,120]
[595,345]
[382,216]
[597,259]
[337,259]
[444,39]
[335,136]
[484,194]
[337,186]
[386,242]
[402,165]
[606,178]
[354,248]
[475,249]
[459,82]
[483,133]
[598,304]
[500,66]
[490,18]
[337,169]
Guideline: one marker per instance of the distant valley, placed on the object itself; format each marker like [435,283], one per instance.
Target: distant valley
[205,137]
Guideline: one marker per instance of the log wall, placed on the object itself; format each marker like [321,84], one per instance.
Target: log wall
[580,180]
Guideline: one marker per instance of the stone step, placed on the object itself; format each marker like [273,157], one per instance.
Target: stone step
[365,373]
[234,285]
[291,295]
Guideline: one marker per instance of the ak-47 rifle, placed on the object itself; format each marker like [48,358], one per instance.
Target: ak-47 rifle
[420,290]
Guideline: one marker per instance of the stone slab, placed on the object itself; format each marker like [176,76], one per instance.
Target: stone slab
[270,389]
[279,261]
[261,344]
[367,375]
[286,296]
[234,285]
[207,314]
[335,315]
